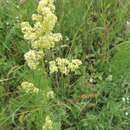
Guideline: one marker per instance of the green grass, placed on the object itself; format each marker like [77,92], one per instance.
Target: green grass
[93,31]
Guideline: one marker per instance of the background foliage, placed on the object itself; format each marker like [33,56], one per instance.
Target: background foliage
[95,31]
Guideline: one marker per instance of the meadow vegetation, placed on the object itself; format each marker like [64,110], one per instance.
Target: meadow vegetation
[67,71]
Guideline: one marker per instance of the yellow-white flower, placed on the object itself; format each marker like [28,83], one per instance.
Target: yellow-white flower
[50,95]
[28,87]
[74,64]
[47,41]
[40,34]
[48,124]
[45,3]
[53,67]
[33,58]
[29,32]
[64,66]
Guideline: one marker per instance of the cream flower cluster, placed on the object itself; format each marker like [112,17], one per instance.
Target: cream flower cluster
[50,94]
[33,58]
[64,66]
[48,124]
[40,34]
[28,87]
[42,37]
